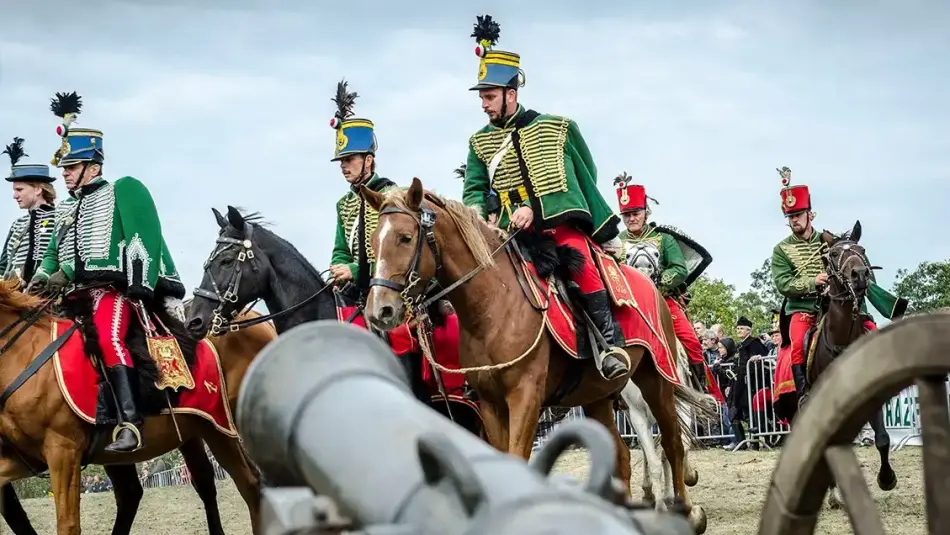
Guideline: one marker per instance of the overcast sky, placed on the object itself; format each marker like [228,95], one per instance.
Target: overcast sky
[230,103]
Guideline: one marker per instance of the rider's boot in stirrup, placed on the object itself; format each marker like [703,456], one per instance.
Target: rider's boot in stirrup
[128,436]
[613,361]
[699,375]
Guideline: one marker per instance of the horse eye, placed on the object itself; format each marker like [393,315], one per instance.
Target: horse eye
[405,238]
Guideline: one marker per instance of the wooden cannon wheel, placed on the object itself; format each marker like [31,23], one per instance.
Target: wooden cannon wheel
[915,350]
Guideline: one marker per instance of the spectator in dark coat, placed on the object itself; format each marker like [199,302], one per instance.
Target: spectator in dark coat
[750,349]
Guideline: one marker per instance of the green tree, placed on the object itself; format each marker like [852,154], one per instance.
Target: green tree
[751,305]
[713,301]
[762,285]
[927,287]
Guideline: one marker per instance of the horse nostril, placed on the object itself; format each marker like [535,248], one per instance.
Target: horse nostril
[195,324]
[386,313]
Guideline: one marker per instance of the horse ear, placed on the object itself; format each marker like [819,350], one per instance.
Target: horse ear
[373,199]
[414,195]
[235,218]
[856,232]
[828,238]
[222,222]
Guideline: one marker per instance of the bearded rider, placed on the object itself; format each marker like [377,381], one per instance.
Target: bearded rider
[546,180]
[29,235]
[108,252]
[655,251]
[799,275]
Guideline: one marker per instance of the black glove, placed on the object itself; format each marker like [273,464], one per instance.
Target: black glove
[57,281]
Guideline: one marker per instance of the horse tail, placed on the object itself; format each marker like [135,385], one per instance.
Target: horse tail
[705,405]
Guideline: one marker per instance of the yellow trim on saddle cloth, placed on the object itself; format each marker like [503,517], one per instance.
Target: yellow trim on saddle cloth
[812,346]
[223,393]
[60,380]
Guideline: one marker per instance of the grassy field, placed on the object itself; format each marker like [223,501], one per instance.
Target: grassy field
[731,489]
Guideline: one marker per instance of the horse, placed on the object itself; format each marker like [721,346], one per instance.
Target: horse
[655,464]
[127,489]
[423,240]
[42,429]
[839,325]
[249,262]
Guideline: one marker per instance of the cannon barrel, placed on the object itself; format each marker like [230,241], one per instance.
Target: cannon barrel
[326,408]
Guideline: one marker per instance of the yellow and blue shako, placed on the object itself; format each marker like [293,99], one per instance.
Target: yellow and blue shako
[25,172]
[353,135]
[496,68]
[78,144]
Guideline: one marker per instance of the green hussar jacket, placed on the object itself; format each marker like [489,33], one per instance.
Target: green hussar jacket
[671,258]
[26,243]
[347,244]
[561,183]
[111,233]
[796,263]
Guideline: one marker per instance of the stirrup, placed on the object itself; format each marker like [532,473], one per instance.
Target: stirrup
[135,431]
[615,352]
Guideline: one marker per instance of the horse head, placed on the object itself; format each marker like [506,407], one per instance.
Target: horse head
[237,272]
[847,265]
[645,258]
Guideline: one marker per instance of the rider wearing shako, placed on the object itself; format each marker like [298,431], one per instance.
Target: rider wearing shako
[664,246]
[798,273]
[29,235]
[108,254]
[545,178]
[355,149]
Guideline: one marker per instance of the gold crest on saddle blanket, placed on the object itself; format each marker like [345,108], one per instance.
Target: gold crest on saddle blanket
[173,371]
[172,368]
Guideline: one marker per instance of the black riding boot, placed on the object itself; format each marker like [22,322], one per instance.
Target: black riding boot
[798,374]
[128,437]
[699,375]
[614,361]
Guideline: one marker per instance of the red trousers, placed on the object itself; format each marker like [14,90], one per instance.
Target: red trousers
[111,314]
[685,333]
[800,324]
[588,277]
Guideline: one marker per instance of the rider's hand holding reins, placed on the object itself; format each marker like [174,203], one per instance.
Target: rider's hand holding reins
[340,273]
[821,279]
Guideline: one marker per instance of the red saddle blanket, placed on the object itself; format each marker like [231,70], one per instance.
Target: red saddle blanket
[636,304]
[79,383]
[445,349]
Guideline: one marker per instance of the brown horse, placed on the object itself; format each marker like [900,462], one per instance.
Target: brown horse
[840,323]
[40,430]
[498,323]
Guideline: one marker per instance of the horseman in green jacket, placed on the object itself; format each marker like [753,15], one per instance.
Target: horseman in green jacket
[355,149]
[546,180]
[799,275]
[108,252]
[30,234]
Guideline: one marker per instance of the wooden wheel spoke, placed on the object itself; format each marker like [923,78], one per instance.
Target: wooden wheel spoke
[935,432]
[860,505]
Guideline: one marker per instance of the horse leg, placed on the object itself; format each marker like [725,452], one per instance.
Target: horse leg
[603,412]
[652,467]
[494,424]
[13,512]
[886,478]
[202,479]
[128,494]
[659,395]
[63,456]
[524,406]
[231,456]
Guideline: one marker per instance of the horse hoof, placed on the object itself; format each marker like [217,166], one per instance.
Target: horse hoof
[834,501]
[692,478]
[888,483]
[697,519]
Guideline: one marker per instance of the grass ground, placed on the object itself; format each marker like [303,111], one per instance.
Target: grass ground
[731,489]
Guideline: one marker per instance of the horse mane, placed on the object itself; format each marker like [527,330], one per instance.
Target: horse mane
[466,218]
[257,220]
[13,300]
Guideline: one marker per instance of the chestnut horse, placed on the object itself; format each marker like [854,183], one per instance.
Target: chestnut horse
[40,430]
[127,489]
[509,361]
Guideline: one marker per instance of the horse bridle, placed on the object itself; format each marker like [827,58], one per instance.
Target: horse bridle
[411,291]
[221,323]
[834,269]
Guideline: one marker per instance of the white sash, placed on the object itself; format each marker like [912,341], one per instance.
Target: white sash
[496,159]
